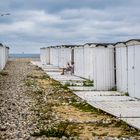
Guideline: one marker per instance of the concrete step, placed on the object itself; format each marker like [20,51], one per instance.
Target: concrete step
[82,88]
[71,83]
[98,93]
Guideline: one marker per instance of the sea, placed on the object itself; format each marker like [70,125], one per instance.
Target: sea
[24,55]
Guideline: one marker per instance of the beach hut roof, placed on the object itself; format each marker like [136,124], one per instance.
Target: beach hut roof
[1,44]
[133,42]
[104,44]
[100,44]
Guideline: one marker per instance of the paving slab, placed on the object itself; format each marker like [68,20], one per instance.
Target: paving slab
[127,104]
[43,66]
[118,112]
[92,97]
[53,73]
[71,83]
[82,88]
[52,70]
[67,78]
[98,93]
[135,122]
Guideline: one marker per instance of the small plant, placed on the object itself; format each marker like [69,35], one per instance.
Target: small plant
[29,82]
[3,73]
[45,77]
[126,94]
[39,92]
[55,83]
[113,89]
[103,134]
[88,83]
[32,76]
[85,107]
[120,123]
[65,87]
[67,84]
[62,129]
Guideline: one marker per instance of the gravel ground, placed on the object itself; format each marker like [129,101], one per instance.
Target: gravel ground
[14,104]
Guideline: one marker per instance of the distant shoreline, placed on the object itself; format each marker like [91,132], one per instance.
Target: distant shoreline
[24,55]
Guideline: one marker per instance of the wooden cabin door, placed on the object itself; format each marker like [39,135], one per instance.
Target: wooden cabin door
[131,71]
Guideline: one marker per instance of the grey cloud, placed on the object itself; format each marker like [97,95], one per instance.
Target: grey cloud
[50,22]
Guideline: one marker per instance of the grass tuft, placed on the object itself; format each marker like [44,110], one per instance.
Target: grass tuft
[3,73]
[62,129]
[88,83]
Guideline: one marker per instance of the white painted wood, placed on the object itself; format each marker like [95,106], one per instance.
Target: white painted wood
[4,53]
[121,68]
[55,57]
[45,55]
[103,68]
[133,71]
[131,75]
[79,61]
[137,72]
[51,55]
[97,64]
[87,62]
[128,67]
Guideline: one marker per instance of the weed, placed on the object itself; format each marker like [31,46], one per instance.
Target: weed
[55,83]
[29,82]
[113,89]
[103,134]
[67,84]
[62,129]
[120,123]
[126,94]
[101,124]
[88,83]
[85,107]
[3,73]
[73,99]
[39,92]
[32,76]
[65,87]
[47,77]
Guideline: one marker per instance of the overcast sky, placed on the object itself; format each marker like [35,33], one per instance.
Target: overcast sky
[39,23]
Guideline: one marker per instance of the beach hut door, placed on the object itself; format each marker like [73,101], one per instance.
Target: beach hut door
[72,55]
[131,70]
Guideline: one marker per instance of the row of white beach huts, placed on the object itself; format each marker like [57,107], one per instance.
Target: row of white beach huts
[4,53]
[108,65]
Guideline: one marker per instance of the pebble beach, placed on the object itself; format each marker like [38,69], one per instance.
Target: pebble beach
[30,102]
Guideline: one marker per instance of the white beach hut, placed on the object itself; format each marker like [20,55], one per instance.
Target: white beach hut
[66,55]
[4,53]
[45,55]
[52,55]
[103,72]
[96,62]
[128,67]
[79,61]
[56,56]
[133,67]
[121,67]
